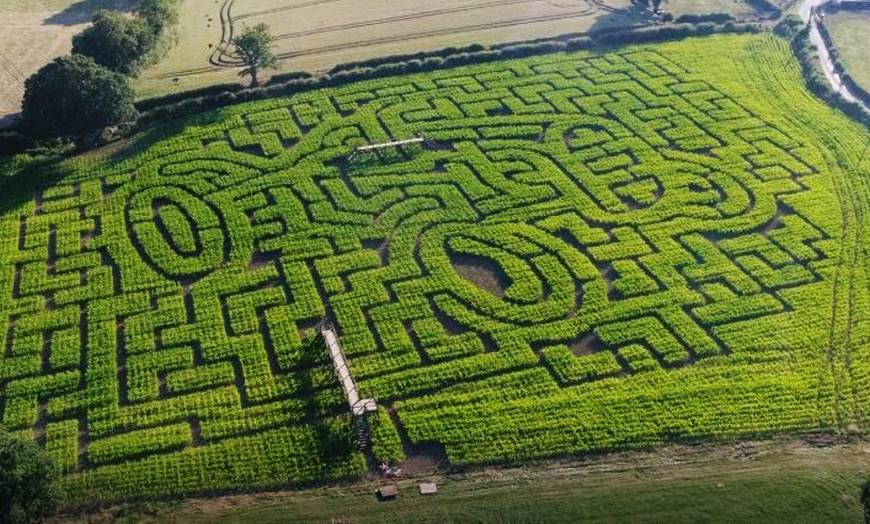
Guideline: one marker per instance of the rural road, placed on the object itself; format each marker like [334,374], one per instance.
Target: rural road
[805,11]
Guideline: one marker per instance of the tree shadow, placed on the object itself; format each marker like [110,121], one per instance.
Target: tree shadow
[10,120]
[21,179]
[19,183]
[613,19]
[141,141]
[83,12]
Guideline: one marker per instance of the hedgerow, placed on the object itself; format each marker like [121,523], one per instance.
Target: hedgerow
[170,107]
[590,252]
[798,34]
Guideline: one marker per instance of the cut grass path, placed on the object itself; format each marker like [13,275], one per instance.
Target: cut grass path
[768,481]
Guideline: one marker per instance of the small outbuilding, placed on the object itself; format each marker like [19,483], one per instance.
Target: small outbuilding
[428,488]
[388,492]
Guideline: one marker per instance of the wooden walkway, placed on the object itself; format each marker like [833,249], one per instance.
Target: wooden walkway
[389,144]
[357,406]
[382,145]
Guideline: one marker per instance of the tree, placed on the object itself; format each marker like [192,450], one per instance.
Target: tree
[254,49]
[158,14]
[75,98]
[116,42]
[28,481]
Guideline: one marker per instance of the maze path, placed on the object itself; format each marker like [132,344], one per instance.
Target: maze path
[581,219]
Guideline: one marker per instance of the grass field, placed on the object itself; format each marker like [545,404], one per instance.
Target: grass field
[753,482]
[311,35]
[315,35]
[659,244]
[850,30]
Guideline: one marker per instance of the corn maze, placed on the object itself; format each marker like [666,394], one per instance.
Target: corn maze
[592,252]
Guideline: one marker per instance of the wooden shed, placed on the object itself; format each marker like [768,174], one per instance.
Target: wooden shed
[428,488]
[388,492]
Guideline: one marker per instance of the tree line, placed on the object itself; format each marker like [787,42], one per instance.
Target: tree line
[78,96]
[86,95]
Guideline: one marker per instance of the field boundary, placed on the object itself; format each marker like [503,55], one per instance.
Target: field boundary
[814,75]
[222,95]
[839,67]
[676,457]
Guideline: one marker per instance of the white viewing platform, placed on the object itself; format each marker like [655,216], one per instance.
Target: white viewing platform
[383,145]
[357,406]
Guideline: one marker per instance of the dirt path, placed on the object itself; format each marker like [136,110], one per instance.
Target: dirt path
[807,13]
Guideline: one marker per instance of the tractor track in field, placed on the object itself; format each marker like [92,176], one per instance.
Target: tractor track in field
[406,18]
[220,57]
[834,336]
[428,34]
[843,316]
[840,398]
[285,8]
[858,199]
[226,20]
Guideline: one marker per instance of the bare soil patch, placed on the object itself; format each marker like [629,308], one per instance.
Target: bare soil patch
[482,272]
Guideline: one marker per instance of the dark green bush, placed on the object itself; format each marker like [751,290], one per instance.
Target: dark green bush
[716,18]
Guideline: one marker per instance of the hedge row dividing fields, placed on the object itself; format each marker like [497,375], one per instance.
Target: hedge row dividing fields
[592,252]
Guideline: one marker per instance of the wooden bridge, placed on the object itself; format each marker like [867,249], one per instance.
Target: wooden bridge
[384,145]
[359,407]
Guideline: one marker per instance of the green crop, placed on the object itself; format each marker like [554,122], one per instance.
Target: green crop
[591,253]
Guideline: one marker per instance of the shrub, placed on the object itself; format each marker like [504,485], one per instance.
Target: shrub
[717,18]
[28,481]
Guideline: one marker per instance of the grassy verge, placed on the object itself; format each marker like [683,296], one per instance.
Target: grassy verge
[849,30]
[771,481]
